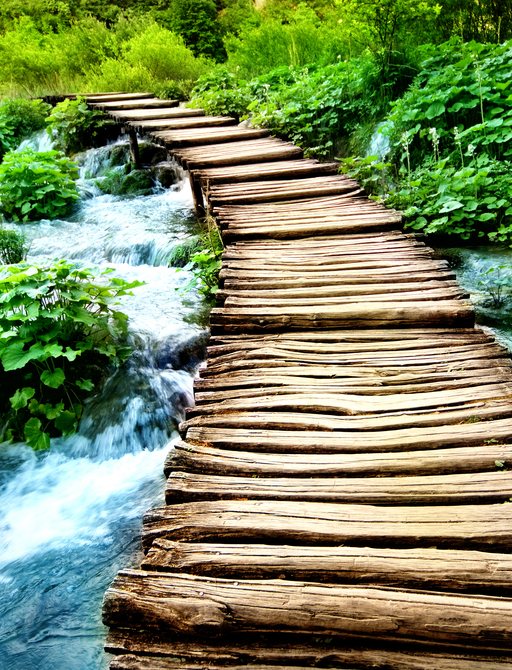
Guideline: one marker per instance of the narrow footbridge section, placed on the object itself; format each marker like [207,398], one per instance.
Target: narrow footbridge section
[341,497]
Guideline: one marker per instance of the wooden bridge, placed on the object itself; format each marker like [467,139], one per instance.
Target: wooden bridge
[341,497]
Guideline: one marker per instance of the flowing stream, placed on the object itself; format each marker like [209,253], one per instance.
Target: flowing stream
[71,518]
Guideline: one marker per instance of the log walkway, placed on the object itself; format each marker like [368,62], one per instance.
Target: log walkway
[340,498]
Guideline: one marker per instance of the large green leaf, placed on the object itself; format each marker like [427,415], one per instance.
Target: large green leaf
[35,437]
[53,379]
[21,397]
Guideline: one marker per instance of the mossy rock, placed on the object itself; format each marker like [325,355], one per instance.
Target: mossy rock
[151,154]
[132,183]
[167,174]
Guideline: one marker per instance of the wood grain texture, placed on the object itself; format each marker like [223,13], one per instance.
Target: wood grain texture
[196,605]
[426,568]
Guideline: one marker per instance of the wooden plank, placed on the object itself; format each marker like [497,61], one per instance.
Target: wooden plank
[269,191]
[158,113]
[191,137]
[471,488]
[378,314]
[148,125]
[209,460]
[316,441]
[356,405]
[276,651]
[116,97]
[288,169]
[446,663]
[195,605]
[250,151]
[425,568]
[315,523]
[138,103]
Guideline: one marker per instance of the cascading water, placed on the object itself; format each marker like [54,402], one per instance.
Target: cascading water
[70,518]
[486,273]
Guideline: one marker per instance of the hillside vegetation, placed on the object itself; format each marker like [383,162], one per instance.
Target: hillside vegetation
[435,76]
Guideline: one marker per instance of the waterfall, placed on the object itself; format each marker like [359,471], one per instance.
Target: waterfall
[70,518]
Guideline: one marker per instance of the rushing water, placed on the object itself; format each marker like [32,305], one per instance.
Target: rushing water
[486,274]
[70,518]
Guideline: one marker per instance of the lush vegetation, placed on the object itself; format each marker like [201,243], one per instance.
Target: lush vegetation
[19,119]
[60,334]
[36,185]
[435,76]
[73,126]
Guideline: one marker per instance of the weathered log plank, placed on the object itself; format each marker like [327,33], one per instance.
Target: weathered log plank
[191,137]
[163,123]
[262,521]
[247,651]
[424,568]
[292,441]
[195,605]
[471,488]
[158,113]
[208,460]
[136,103]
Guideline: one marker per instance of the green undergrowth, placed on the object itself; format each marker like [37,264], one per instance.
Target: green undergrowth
[60,334]
[36,185]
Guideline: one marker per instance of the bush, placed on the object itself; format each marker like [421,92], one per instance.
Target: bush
[153,58]
[60,335]
[19,119]
[36,185]
[221,92]
[470,201]
[299,41]
[13,247]
[323,107]
[75,127]
[463,91]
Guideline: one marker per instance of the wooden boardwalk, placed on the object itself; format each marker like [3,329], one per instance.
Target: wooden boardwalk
[340,498]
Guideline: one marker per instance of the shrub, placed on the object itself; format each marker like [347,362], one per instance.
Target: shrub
[323,106]
[154,57]
[75,127]
[463,91]
[13,247]
[196,22]
[36,185]
[60,334]
[469,201]
[204,260]
[221,92]
[20,118]
[299,41]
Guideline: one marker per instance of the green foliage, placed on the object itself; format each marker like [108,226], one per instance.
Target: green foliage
[466,87]
[13,247]
[221,92]
[153,58]
[75,127]
[302,40]
[36,185]
[182,254]
[196,22]
[370,172]
[323,106]
[496,282]
[205,261]
[452,145]
[470,201]
[59,333]
[19,118]
[126,182]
